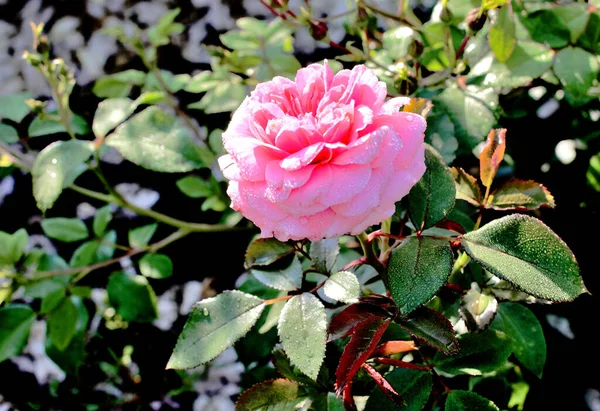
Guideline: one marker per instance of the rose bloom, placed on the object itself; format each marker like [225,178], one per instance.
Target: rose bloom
[321,156]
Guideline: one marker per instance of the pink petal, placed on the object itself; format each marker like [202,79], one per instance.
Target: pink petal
[346,182]
[303,157]
[364,150]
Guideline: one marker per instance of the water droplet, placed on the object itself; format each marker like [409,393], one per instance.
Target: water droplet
[205,312]
[54,161]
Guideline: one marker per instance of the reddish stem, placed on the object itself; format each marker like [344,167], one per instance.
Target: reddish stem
[400,363]
[461,49]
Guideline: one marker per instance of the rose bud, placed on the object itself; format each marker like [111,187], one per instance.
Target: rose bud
[475,20]
[318,30]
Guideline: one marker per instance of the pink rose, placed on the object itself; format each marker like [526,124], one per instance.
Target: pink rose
[321,156]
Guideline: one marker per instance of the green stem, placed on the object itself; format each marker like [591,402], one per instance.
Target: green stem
[369,253]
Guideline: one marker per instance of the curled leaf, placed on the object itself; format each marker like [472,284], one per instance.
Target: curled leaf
[520,195]
[491,156]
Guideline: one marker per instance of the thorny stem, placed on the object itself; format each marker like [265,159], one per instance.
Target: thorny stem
[369,253]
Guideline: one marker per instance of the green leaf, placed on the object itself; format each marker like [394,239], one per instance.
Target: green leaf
[520,195]
[397,41]
[440,135]
[159,34]
[62,323]
[303,332]
[156,266]
[593,172]
[281,394]
[132,297]
[15,323]
[225,96]
[56,167]
[214,325]
[13,106]
[502,34]
[85,254]
[590,38]
[110,113]
[157,141]
[544,26]
[431,327]
[266,251]
[525,252]
[518,396]
[46,126]
[12,246]
[417,270]
[525,332]
[101,220]
[528,61]
[432,198]
[415,386]
[324,253]
[479,353]
[283,365]
[141,236]
[52,300]
[342,286]
[8,134]
[577,70]
[64,229]
[195,187]
[118,84]
[72,357]
[285,279]
[467,188]
[468,401]
[472,112]
[574,17]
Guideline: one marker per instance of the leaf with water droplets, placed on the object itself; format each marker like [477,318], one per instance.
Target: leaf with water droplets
[214,325]
[110,113]
[465,401]
[431,327]
[525,252]
[303,331]
[266,251]
[520,195]
[157,141]
[467,188]
[277,394]
[342,286]
[324,253]
[56,167]
[286,279]
[417,270]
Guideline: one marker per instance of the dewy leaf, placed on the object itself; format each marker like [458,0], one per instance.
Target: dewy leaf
[525,332]
[520,195]
[431,327]
[440,135]
[491,156]
[266,251]
[15,323]
[472,112]
[277,393]
[342,286]
[214,325]
[56,167]
[502,33]
[285,279]
[432,198]
[324,253]
[525,252]
[343,323]
[156,266]
[110,113]
[479,353]
[157,141]
[364,339]
[132,297]
[12,246]
[415,386]
[62,323]
[303,332]
[140,237]
[418,268]
[577,70]
[467,188]
[64,229]
[459,400]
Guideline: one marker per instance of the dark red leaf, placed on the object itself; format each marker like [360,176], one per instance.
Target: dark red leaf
[364,339]
[431,327]
[348,399]
[343,323]
[385,386]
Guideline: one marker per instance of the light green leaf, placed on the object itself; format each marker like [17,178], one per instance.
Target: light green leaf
[415,386]
[156,266]
[502,34]
[577,70]
[195,187]
[525,332]
[593,172]
[118,84]
[226,96]
[440,135]
[106,246]
[157,141]
[303,332]
[342,286]
[432,198]
[285,279]
[56,167]
[573,16]
[159,34]
[518,396]
[43,127]
[280,394]
[132,297]
[64,229]
[12,246]
[417,270]
[140,237]
[110,113]
[8,134]
[214,325]
[85,254]
[525,252]
[15,323]
[479,353]
[468,401]
[467,187]
[397,41]
[324,253]
[13,106]
[62,324]
[101,220]
[266,251]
